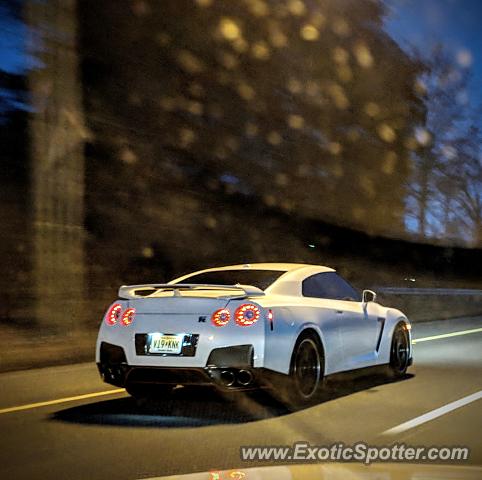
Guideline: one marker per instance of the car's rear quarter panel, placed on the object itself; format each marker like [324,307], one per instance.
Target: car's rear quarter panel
[293,315]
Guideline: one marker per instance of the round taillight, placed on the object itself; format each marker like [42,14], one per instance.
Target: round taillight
[247,314]
[128,316]
[113,314]
[220,317]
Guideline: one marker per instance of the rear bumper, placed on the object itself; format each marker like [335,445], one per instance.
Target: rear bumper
[227,367]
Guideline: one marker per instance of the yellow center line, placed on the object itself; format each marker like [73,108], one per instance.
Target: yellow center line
[447,335]
[60,400]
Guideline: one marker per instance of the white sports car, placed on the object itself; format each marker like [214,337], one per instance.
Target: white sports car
[242,326]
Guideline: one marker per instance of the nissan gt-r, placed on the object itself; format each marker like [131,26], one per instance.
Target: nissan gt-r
[239,327]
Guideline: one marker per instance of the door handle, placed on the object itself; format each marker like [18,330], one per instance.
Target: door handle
[339,312]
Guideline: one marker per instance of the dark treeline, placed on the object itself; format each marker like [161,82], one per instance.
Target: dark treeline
[230,131]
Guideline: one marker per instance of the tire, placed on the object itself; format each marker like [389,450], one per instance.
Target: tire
[305,382]
[399,352]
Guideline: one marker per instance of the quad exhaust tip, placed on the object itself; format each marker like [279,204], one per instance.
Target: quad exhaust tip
[242,377]
[227,378]
[245,377]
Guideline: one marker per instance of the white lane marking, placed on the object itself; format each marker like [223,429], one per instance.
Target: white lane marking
[60,400]
[438,412]
[447,335]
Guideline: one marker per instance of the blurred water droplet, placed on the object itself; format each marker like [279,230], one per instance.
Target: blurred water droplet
[167,103]
[186,136]
[295,121]
[210,222]
[240,45]
[372,109]
[245,91]
[363,55]
[423,136]
[340,27]
[274,138]
[251,129]
[196,108]
[358,213]
[309,32]
[318,20]
[464,58]
[229,29]
[128,156]
[260,50]
[140,8]
[338,96]
[368,186]
[189,62]
[449,152]
[294,85]
[163,39]
[204,3]
[389,163]
[340,55]
[334,148]
[386,133]
[296,7]
[281,179]
[269,200]
[258,8]
[462,97]
[344,73]
[228,60]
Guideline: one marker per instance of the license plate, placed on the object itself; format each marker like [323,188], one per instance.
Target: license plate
[165,343]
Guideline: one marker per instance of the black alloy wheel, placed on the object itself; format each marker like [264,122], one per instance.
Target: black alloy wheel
[400,351]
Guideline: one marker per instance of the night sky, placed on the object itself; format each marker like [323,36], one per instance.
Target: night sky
[453,23]
[13,58]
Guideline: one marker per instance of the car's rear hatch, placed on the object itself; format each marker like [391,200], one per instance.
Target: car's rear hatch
[183,298]
[178,305]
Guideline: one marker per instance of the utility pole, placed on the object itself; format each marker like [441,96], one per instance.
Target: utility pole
[57,166]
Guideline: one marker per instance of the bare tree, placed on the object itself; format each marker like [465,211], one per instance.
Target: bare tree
[439,165]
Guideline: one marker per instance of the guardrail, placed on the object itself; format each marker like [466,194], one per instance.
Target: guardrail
[426,304]
[428,291]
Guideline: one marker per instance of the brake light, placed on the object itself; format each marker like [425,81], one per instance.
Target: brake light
[113,314]
[270,317]
[247,314]
[220,317]
[128,316]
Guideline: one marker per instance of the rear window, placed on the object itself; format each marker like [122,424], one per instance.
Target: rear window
[329,285]
[257,278]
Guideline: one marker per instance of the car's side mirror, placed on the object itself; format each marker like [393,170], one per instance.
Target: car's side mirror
[369,296]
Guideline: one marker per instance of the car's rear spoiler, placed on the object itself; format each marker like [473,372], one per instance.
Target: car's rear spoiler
[131,291]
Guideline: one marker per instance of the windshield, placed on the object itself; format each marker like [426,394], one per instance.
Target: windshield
[257,278]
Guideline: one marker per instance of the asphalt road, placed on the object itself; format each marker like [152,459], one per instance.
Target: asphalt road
[46,431]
